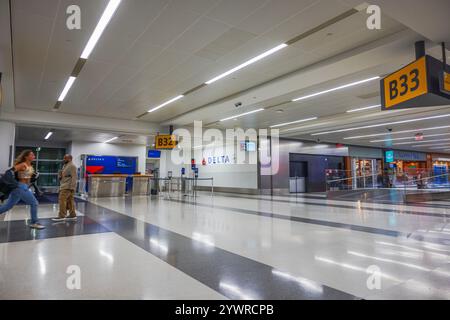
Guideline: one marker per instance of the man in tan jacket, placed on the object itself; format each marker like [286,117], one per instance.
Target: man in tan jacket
[67,187]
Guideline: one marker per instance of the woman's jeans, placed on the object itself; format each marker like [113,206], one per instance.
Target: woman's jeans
[24,194]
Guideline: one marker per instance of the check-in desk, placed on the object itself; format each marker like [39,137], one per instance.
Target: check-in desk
[141,185]
[104,185]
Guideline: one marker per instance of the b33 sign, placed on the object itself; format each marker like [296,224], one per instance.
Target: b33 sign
[405,84]
[415,85]
[165,141]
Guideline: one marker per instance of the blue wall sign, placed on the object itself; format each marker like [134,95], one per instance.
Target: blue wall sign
[389,156]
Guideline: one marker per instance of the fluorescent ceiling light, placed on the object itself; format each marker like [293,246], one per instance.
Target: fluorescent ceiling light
[335,89]
[102,23]
[364,108]
[66,89]
[48,135]
[289,123]
[166,103]
[408,138]
[242,114]
[247,63]
[430,145]
[112,139]
[382,124]
[420,142]
[395,132]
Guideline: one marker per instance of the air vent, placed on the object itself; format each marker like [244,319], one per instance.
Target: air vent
[369,95]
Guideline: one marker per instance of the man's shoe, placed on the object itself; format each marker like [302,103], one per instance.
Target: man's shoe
[58,219]
[37,226]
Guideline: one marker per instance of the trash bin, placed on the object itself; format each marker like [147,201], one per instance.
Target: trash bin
[297,185]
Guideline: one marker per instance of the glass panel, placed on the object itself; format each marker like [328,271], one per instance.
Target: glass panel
[52,153]
[49,166]
[48,180]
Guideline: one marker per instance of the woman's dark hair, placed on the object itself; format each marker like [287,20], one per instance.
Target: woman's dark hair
[22,156]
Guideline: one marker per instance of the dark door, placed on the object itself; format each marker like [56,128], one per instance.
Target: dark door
[298,169]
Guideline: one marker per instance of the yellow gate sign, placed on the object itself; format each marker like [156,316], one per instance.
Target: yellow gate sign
[405,84]
[165,141]
[446,82]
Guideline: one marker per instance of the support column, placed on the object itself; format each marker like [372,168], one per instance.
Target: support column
[7,137]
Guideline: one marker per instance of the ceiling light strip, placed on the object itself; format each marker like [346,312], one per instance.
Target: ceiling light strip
[66,89]
[420,142]
[248,62]
[397,132]
[408,138]
[242,114]
[101,26]
[302,36]
[48,135]
[381,125]
[110,140]
[98,31]
[293,122]
[364,108]
[345,86]
[430,145]
[166,103]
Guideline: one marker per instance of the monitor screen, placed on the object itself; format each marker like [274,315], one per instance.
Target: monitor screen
[154,154]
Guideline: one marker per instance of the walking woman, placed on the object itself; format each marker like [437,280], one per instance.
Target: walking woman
[24,170]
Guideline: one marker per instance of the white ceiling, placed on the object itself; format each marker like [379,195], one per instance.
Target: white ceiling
[154,50]
[61,135]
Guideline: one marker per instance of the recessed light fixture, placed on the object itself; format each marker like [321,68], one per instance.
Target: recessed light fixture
[48,135]
[101,25]
[364,108]
[247,63]
[166,103]
[242,114]
[409,138]
[382,124]
[293,122]
[335,89]
[395,132]
[110,140]
[66,89]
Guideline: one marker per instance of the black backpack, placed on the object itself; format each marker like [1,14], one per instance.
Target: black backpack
[8,182]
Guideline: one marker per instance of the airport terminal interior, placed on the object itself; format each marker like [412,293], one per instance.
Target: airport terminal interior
[224,150]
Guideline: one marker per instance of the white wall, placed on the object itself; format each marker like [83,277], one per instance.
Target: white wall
[7,134]
[229,175]
[77,148]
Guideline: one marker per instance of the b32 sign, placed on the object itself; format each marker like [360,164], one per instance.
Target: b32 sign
[166,141]
[405,84]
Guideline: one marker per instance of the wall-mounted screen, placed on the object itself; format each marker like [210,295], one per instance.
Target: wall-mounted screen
[111,165]
[154,154]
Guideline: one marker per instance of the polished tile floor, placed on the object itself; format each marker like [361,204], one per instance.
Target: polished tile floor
[230,246]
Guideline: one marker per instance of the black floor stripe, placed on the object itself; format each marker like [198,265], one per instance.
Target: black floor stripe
[18,230]
[343,206]
[232,275]
[372,230]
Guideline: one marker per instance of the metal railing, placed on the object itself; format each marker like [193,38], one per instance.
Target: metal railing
[417,181]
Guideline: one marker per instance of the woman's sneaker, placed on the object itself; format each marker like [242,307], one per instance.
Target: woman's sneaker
[71,218]
[37,226]
[58,219]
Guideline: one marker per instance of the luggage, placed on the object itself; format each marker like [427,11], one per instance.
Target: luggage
[8,183]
